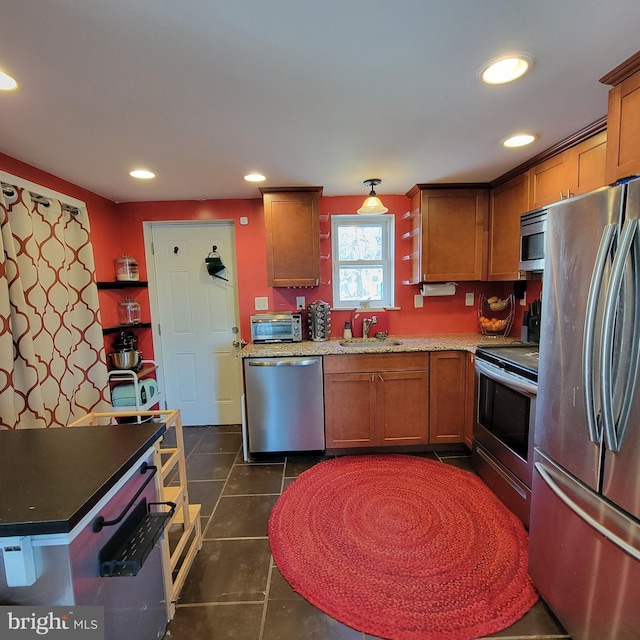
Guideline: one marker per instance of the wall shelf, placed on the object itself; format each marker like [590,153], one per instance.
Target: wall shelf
[123,284]
[123,327]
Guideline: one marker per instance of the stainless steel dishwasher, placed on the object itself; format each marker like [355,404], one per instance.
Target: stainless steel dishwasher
[285,404]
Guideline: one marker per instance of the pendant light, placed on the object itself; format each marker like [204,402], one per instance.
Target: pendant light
[372,204]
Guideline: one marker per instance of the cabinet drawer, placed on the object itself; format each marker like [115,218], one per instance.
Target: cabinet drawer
[374,362]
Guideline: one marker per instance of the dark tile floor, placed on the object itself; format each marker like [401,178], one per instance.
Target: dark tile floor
[234,591]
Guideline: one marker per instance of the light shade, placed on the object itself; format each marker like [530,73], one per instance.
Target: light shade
[506,69]
[7,83]
[519,140]
[372,205]
[142,174]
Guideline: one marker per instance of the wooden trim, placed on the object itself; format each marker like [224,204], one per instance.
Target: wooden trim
[568,142]
[622,71]
[446,185]
[264,190]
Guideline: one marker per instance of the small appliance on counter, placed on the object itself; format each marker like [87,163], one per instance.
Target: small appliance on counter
[267,328]
[125,354]
[319,321]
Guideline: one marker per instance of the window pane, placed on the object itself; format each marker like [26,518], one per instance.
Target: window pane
[360,243]
[361,283]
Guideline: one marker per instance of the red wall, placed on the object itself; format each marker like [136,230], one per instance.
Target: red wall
[117,228]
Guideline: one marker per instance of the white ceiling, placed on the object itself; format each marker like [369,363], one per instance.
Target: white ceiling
[308,92]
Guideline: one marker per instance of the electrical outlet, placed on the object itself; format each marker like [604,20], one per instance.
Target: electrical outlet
[418,301]
[468,299]
[300,303]
[523,300]
[262,304]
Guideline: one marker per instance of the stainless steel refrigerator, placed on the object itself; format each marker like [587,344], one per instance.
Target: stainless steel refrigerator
[584,554]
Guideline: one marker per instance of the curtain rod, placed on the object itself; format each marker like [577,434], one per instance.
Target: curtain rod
[8,190]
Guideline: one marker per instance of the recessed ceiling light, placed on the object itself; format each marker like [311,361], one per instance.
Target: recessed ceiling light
[254,177]
[142,174]
[519,140]
[506,68]
[7,83]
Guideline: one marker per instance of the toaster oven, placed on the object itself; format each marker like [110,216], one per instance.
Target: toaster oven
[276,327]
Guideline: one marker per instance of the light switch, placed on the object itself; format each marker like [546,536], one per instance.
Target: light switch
[262,304]
[468,299]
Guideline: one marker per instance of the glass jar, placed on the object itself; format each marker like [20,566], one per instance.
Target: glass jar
[127,268]
[129,311]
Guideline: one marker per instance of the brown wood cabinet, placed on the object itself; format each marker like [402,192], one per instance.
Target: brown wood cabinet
[292,228]
[576,170]
[470,400]
[549,181]
[376,400]
[587,162]
[508,202]
[448,397]
[452,227]
[623,120]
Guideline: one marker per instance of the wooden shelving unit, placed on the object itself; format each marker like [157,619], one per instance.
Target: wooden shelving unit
[182,538]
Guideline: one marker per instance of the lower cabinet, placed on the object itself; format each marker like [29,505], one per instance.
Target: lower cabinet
[385,400]
[448,398]
[376,400]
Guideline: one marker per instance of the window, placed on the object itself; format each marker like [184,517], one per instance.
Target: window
[362,260]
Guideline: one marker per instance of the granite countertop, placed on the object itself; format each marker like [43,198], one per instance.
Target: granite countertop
[433,342]
[51,478]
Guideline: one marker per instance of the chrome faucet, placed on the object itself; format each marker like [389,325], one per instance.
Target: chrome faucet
[367,323]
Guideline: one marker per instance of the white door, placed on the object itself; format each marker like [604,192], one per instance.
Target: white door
[199,322]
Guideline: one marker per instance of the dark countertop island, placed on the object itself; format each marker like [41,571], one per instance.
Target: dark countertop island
[51,478]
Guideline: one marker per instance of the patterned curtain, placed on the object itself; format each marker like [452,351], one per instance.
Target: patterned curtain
[52,362]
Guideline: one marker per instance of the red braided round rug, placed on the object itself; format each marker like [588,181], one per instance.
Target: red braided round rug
[402,547]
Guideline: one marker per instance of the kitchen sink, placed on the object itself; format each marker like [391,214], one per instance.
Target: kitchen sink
[370,342]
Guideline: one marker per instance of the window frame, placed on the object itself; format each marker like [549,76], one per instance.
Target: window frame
[387,224]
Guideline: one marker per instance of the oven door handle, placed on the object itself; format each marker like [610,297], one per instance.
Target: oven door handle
[504,378]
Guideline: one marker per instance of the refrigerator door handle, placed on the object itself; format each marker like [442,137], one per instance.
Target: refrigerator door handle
[614,433]
[547,475]
[588,355]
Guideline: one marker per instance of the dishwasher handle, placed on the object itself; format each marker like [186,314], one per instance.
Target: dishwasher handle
[284,363]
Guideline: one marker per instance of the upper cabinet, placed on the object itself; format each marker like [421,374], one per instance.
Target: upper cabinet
[587,164]
[292,226]
[569,173]
[623,120]
[449,233]
[508,202]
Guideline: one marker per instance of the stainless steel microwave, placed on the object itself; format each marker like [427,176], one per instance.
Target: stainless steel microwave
[533,228]
[276,327]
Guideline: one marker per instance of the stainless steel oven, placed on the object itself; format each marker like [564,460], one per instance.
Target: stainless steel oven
[506,385]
